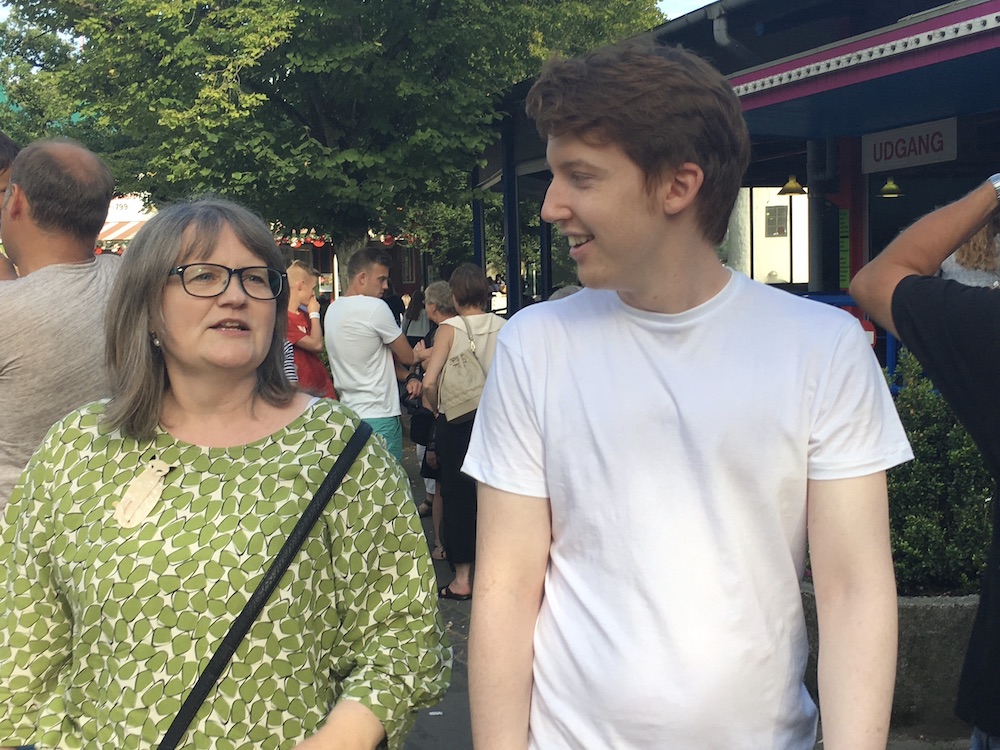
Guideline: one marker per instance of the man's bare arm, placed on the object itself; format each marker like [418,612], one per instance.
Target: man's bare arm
[512,553]
[402,350]
[920,249]
[856,606]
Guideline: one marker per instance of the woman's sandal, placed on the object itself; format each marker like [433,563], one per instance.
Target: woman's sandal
[446,593]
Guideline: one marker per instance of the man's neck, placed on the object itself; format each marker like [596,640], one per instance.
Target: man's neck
[680,276]
[679,292]
[28,268]
[47,251]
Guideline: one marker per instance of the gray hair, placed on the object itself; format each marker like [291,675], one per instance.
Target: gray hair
[438,293]
[136,367]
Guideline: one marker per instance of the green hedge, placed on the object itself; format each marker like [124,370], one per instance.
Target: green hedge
[939,503]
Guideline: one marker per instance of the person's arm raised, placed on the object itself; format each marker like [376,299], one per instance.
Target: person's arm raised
[312,341]
[920,249]
[851,559]
[512,553]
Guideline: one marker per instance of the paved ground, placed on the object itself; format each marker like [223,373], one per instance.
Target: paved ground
[446,726]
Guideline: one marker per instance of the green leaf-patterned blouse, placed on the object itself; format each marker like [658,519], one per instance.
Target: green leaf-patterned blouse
[104,629]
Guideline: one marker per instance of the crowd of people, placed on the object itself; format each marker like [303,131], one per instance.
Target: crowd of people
[628,521]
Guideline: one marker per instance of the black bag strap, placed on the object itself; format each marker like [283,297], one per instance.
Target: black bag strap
[241,625]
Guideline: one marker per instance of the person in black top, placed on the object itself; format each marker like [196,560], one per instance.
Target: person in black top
[394,301]
[954,331]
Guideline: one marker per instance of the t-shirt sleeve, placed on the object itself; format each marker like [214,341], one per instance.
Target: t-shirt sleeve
[384,324]
[950,328]
[507,450]
[855,427]
[293,333]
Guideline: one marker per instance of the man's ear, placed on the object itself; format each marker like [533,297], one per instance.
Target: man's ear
[15,200]
[681,186]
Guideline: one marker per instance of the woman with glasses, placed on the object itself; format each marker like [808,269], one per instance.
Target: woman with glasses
[142,525]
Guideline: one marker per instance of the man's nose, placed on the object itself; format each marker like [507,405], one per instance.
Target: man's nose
[554,208]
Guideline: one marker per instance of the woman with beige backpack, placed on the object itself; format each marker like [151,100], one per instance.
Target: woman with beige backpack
[454,379]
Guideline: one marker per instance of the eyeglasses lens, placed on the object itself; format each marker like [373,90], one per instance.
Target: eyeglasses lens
[211,280]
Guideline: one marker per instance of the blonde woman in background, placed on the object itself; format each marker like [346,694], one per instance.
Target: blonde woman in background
[977,262]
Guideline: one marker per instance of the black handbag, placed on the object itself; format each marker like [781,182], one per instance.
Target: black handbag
[422,425]
[241,625]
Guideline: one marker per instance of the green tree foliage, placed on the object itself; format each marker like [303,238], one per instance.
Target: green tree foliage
[941,502]
[36,100]
[335,114]
[29,61]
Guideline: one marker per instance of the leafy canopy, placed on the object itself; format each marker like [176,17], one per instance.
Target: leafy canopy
[336,114]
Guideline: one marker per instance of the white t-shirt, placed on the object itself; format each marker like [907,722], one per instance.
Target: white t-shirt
[675,451]
[358,332]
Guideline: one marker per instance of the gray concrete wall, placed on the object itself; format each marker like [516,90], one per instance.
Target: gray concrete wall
[933,634]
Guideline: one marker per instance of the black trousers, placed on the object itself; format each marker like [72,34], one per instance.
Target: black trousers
[458,491]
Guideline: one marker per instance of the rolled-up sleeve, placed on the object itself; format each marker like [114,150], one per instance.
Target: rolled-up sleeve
[392,654]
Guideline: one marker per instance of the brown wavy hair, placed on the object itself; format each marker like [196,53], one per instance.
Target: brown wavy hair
[980,252]
[663,106]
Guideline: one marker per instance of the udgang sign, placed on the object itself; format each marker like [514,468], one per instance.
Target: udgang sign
[928,143]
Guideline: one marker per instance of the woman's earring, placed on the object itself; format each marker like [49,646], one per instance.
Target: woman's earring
[155,339]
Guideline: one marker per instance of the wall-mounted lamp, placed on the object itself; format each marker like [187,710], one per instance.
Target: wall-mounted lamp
[792,187]
[890,190]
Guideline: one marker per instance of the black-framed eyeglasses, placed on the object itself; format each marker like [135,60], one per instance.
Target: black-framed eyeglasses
[211,280]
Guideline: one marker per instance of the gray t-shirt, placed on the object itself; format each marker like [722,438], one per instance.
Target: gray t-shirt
[51,354]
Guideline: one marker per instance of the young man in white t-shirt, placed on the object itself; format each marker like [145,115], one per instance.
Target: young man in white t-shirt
[655,451]
[362,337]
